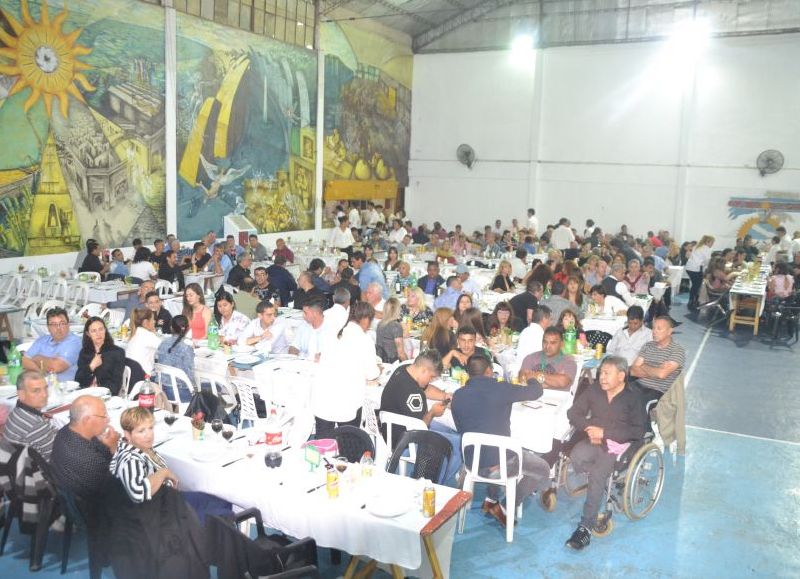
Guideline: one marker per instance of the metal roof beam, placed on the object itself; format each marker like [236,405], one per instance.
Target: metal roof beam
[432,34]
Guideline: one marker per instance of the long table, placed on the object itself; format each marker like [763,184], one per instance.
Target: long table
[747,299]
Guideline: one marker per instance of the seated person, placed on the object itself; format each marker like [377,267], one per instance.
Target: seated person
[628,341]
[781,282]
[266,332]
[407,393]
[144,342]
[450,295]
[240,271]
[415,307]
[317,269]
[429,283]
[466,339]
[100,362]
[502,281]
[636,280]
[199,258]
[550,367]
[26,425]
[230,321]
[615,418]
[170,270]
[140,301]
[162,316]
[306,291]
[117,267]
[525,303]
[220,262]
[82,449]
[348,281]
[247,300]
[282,250]
[659,362]
[92,261]
[484,405]
[174,351]
[530,339]
[607,305]
[58,351]
[265,290]
[310,337]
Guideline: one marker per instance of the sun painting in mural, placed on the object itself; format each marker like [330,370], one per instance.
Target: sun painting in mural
[45,58]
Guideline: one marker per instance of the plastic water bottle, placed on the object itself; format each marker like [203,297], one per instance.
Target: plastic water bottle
[14,364]
[213,335]
[367,465]
[413,282]
[570,340]
[274,440]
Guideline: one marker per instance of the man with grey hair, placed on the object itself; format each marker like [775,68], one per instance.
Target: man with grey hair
[373,295]
[240,271]
[615,420]
[615,286]
[26,425]
[82,449]
[336,315]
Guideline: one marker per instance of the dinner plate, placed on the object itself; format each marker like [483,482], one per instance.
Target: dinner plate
[246,359]
[91,391]
[388,507]
[205,452]
[243,349]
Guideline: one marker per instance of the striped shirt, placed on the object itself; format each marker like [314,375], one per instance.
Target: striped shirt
[28,427]
[654,356]
[132,467]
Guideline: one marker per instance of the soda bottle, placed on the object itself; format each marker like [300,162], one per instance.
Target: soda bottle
[367,465]
[274,440]
[213,335]
[14,364]
[570,339]
[413,282]
[147,395]
[332,482]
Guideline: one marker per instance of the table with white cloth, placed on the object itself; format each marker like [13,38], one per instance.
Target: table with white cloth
[490,299]
[205,279]
[747,297]
[604,323]
[643,301]
[111,291]
[674,274]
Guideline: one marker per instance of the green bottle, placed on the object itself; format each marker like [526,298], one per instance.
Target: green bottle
[213,335]
[14,364]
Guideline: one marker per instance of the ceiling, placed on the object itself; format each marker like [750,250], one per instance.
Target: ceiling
[463,25]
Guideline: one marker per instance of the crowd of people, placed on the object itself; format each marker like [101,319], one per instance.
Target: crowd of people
[352,318]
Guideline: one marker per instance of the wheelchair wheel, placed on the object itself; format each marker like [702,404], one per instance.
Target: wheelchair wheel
[572,482]
[644,482]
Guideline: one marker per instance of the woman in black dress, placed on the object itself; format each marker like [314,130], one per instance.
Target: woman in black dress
[100,362]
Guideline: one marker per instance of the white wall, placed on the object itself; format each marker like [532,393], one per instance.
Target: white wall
[618,133]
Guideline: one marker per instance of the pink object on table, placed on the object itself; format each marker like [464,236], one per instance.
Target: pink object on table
[326,446]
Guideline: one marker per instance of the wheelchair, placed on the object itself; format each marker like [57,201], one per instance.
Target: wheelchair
[634,487]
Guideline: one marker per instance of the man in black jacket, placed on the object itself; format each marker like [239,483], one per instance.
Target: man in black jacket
[615,419]
[170,270]
[280,277]
[429,283]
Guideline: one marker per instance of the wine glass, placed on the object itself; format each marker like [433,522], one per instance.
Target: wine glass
[216,425]
[170,418]
[227,433]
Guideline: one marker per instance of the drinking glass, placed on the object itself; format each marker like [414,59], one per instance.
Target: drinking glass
[216,425]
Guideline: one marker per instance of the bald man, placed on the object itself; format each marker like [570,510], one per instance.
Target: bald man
[83,448]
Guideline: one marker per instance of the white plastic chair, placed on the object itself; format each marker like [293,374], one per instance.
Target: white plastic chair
[165,288]
[247,405]
[77,295]
[49,305]
[57,290]
[31,287]
[504,445]
[390,419]
[171,390]
[112,317]
[218,387]
[90,310]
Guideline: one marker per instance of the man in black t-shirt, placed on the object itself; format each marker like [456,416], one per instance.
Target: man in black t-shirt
[466,338]
[524,304]
[407,393]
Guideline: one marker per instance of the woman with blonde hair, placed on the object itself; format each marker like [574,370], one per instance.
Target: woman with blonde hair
[389,336]
[438,335]
[695,267]
[502,281]
[144,342]
[415,307]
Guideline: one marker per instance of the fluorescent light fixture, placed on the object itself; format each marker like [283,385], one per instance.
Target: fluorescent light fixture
[690,37]
[522,50]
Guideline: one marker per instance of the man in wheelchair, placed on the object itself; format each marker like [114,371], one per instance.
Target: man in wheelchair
[610,414]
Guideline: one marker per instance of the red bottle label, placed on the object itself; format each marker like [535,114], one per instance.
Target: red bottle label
[274,438]
[147,400]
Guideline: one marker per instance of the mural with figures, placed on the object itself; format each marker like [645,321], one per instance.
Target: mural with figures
[81,124]
[367,110]
[246,118]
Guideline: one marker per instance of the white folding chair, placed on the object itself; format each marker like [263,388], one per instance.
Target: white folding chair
[504,445]
[77,296]
[112,317]
[218,387]
[390,419]
[31,287]
[165,288]
[171,390]
[49,305]
[247,405]
[57,290]
[90,310]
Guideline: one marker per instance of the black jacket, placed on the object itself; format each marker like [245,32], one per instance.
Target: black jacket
[107,374]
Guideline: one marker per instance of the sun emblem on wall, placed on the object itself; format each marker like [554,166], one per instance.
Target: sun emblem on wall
[45,58]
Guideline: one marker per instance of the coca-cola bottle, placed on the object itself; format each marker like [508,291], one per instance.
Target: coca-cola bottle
[147,395]
[274,440]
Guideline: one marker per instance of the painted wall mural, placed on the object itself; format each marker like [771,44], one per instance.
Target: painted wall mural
[367,109]
[81,124]
[763,215]
[246,130]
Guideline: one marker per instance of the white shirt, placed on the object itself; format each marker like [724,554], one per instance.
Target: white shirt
[530,341]
[144,270]
[342,239]
[344,370]
[233,328]
[562,237]
[628,345]
[309,341]
[533,223]
[335,318]
[372,218]
[355,217]
[142,348]
[277,344]
[699,258]
[397,235]
[470,286]
[624,293]
[518,268]
[612,306]
[795,248]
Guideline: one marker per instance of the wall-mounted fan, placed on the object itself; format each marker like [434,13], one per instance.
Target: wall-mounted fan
[466,155]
[770,161]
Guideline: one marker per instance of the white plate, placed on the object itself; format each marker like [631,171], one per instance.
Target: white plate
[246,359]
[7,391]
[205,452]
[243,349]
[388,507]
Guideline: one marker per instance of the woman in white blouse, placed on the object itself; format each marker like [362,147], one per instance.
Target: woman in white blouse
[346,365]
[142,268]
[231,322]
[696,265]
[144,342]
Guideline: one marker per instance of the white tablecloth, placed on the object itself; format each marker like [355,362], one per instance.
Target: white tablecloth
[609,324]
[674,275]
[110,291]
